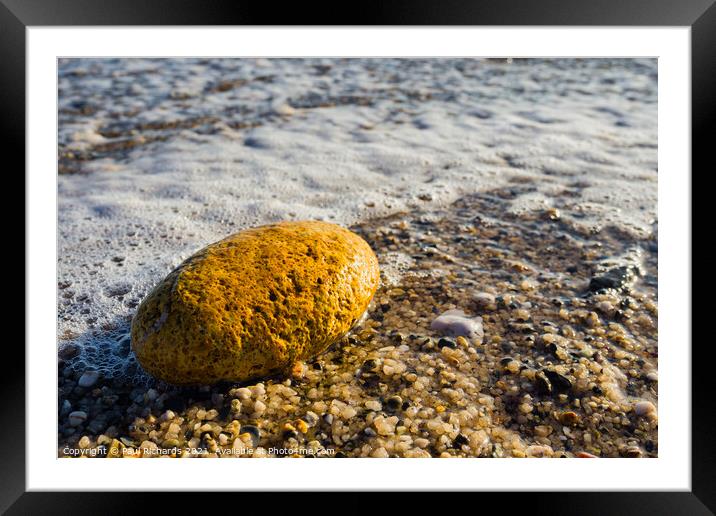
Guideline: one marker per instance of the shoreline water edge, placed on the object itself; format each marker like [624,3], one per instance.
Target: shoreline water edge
[516,196]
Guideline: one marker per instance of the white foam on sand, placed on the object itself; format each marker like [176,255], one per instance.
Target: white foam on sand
[338,140]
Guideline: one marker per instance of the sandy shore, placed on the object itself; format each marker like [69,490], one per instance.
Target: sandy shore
[566,367]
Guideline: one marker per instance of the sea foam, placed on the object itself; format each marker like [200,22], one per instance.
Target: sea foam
[183,152]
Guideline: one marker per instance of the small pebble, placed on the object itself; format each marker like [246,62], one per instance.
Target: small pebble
[348,412]
[380,453]
[460,440]
[88,379]
[259,408]
[254,432]
[569,418]
[633,452]
[644,408]
[394,403]
[243,393]
[542,384]
[311,418]
[552,214]
[447,343]
[485,301]
[585,455]
[373,405]
[560,383]
[456,323]
[77,417]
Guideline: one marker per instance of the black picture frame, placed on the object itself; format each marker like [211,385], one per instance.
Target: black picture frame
[699,15]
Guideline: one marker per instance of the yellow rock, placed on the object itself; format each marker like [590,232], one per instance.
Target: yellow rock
[255,303]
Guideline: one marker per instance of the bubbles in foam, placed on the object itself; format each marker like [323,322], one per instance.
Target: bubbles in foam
[178,163]
[393,265]
[109,353]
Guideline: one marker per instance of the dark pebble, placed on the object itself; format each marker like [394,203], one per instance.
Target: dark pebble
[542,384]
[618,278]
[460,440]
[559,382]
[393,403]
[427,345]
[447,343]
[369,365]
[551,348]
[254,432]
[290,434]
[507,346]
[224,412]
[127,442]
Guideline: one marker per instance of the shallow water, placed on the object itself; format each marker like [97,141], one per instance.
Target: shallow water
[558,370]
[160,157]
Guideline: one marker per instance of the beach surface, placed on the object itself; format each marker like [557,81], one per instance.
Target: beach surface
[523,192]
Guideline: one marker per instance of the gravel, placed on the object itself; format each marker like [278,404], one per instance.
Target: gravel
[577,380]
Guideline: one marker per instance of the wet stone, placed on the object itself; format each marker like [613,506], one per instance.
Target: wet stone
[394,403]
[254,432]
[542,384]
[88,379]
[560,383]
[618,278]
[447,343]
[460,440]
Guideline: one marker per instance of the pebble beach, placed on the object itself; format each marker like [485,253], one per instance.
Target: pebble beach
[513,199]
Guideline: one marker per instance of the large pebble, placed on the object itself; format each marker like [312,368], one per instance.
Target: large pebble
[255,303]
[455,323]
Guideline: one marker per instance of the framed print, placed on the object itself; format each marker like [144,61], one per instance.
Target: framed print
[420,234]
